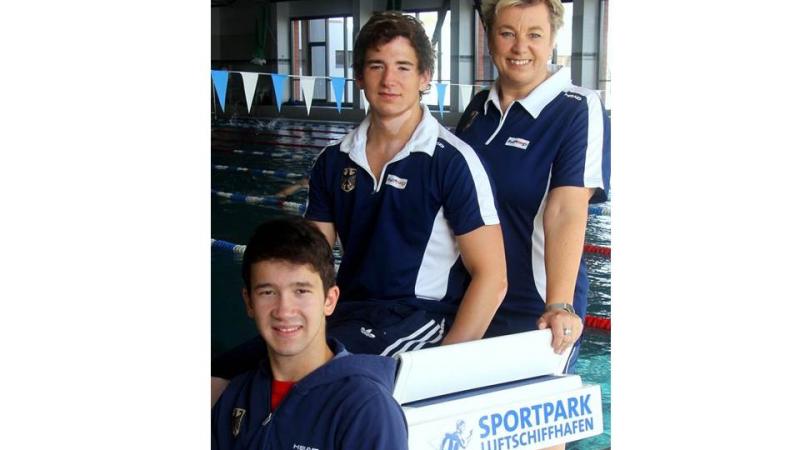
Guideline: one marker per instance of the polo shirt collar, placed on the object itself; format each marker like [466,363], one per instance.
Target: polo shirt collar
[423,139]
[541,96]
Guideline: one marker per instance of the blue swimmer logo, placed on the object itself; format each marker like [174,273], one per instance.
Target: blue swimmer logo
[456,439]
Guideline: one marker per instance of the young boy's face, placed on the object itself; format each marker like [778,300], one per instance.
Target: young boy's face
[391,79]
[289,304]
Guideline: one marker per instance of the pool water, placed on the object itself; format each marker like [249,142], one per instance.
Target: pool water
[258,142]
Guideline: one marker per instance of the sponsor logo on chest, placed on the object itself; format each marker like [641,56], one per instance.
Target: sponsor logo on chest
[517,142]
[395,181]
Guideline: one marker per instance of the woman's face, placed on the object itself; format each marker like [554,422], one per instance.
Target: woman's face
[521,44]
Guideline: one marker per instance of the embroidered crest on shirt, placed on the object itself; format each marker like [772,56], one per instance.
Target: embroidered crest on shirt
[517,142]
[348,179]
[399,183]
[572,96]
[238,415]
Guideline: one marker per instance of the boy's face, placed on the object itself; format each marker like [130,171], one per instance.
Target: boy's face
[289,304]
[391,78]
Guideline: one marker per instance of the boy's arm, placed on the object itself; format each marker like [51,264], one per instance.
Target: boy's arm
[327,229]
[483,255]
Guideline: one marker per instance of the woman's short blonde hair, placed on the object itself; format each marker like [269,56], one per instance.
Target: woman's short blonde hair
[490,8]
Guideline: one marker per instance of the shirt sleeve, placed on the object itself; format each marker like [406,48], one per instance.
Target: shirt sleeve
[468,193]
[378,424]
[583,159]
[319,204]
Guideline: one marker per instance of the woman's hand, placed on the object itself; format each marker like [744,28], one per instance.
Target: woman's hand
[567,328]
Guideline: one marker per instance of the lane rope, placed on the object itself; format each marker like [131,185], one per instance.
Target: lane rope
[285,144]
[270,125]
[603,323]
[288,156]
[599,210]
[597,250]
[280,174]
[236,134]
[265,200]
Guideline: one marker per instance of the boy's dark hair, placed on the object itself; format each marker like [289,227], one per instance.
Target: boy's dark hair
[384,27]
[290,239]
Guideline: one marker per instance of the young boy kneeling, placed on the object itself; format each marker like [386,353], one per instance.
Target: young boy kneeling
[310,392]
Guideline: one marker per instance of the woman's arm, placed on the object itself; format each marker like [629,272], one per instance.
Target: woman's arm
[565,217]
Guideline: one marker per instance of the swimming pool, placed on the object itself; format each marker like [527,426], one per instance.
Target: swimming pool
[258,158]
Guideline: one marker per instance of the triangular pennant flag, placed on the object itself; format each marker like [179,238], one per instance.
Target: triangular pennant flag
[249,80]
[465,90]
[220,78]
[278,81]
[338,91]
[440,88]
[364,102]
[307,85]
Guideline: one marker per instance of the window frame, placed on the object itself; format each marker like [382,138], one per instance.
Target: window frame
[304,36]
[437,76]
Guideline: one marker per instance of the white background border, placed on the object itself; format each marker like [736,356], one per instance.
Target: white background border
[105,224]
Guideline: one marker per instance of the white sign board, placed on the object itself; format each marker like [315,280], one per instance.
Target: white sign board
[517,418]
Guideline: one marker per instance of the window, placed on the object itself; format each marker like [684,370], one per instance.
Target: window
[322,47]
[340,58]
[563,51]
[604,77]
[485,72]
[441,70]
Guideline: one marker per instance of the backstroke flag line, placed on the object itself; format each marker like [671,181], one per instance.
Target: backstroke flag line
[338,91]
[278,81]
[466,94]
[220,78]
[364,102]
[249,80]
[440,90]
[307,85]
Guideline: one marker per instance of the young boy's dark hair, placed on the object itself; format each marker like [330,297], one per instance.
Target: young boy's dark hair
[290,239]
[384,27]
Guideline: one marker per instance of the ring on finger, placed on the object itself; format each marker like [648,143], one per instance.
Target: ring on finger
[567,331]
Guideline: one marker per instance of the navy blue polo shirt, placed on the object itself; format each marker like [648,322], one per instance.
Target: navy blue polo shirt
[397,229]
[557,136]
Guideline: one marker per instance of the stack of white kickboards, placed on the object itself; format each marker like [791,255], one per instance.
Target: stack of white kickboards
[500,393]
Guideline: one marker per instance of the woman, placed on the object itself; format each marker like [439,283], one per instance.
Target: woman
[544,142]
